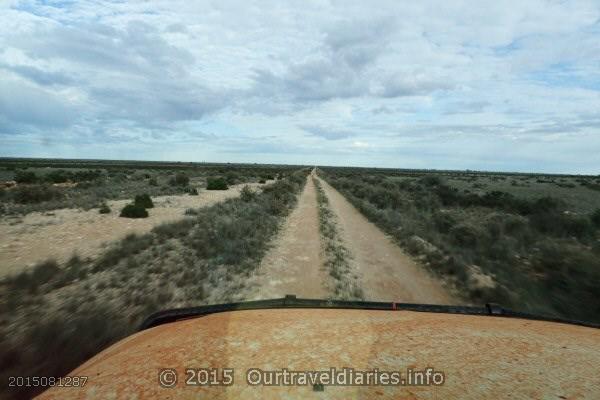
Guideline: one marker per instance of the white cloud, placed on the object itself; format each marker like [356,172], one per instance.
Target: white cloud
[316,81]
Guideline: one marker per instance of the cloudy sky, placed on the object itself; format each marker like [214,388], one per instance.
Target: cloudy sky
[506,85]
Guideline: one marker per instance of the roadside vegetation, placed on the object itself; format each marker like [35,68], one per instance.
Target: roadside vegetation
[216,184]
[525,242]
[45,185]
[55,316]
[346,285]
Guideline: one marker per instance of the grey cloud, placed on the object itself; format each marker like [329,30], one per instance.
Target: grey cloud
[25,105]
[149,103]
[129,74]
[338,69]
[137,48]
[41,77]
[318,80]
[346,65]
[466,107]
[359,42]
[411,86]
[382,110]
[327,133]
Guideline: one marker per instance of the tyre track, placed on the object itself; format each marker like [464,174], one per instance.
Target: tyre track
[294,263]
[386,272]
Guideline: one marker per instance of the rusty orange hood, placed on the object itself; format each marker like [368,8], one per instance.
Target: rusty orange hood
[480,356]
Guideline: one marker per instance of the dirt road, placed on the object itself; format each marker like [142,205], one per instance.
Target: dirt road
[386,272]
[60,233]
[293,265]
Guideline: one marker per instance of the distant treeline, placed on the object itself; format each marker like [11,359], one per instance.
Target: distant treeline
[109,164]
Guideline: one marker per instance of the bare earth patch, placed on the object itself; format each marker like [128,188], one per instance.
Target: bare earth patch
[386,272]
[59,234]
[293,265]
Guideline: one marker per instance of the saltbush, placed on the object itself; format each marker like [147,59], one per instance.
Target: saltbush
[25,177]
[104,209]
[143,200]
[231,178]
[134,211]
[247,194]
[35,194]
[179,180]
[216,184]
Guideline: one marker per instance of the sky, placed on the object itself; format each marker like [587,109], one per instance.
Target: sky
[500,86]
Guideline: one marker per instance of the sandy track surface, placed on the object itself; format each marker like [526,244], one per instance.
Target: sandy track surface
[59,234]
[293,265]
[386,272]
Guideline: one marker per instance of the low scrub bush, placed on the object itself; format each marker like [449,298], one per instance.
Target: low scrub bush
[216,184]
[247,194]
[231,178]
[131,245]
[57,176]
[143,200]
[444,221]
[104,209]
[465,235]
[193,192]
[595,218]
[431,180]
[179,180]
[562,225]
[31,280]
[570,274]
[25,177]
[35,194]
[134,211]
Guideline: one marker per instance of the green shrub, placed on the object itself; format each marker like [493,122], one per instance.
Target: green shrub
[35,194]
[179,180]
[104,209]
[85,176]
[57,176]
[152,182]
[465,235]
[42,273]
[216,184]
[572,277]
[143,200]
[444,221]
[276,205]
[231,178]
[134,211]
[247,194]
[431,180]
[25,177]
[562,225]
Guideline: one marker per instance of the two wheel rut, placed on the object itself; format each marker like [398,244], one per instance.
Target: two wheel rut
[299,263]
